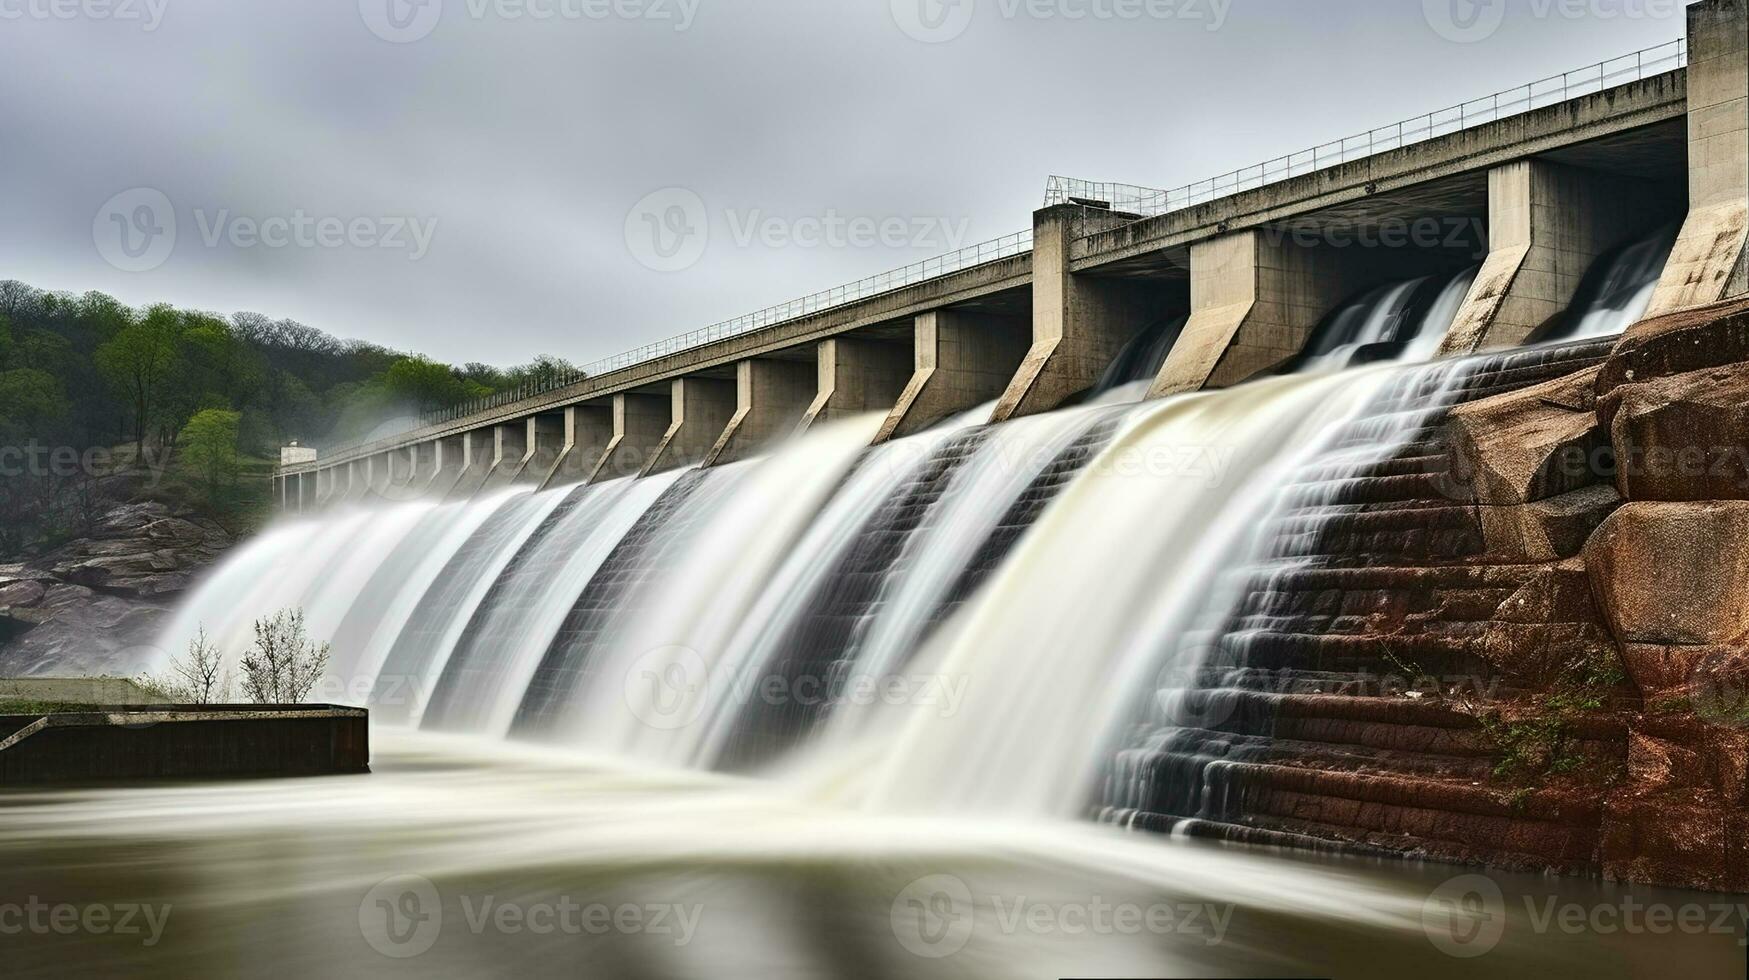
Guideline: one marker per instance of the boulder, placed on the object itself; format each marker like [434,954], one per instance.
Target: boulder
[1548,530]
[1673,574]
[1683,437]
[1677,343]
[1530,445]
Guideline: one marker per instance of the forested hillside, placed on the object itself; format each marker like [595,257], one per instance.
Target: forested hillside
[102,402]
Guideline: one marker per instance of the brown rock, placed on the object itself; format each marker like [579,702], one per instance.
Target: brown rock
[1689,340]
[1548,530]
[21,594]
[1530,445]
[1683,437]
[1656,765]
[1673,574]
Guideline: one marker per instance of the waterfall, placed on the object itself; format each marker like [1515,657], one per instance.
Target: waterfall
[1617,291]
[1032,617]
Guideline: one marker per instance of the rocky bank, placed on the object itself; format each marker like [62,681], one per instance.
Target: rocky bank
[94,605]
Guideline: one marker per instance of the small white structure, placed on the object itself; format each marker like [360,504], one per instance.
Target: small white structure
[295,454]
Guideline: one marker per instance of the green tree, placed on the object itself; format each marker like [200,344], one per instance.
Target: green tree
[32,402]
[424,384]
[138,361]
[208,446]
[5,340]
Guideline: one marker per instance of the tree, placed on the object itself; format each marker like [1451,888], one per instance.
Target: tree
[208,444]
[31,403]
[199,677]
[424,384]
[5,339]
[138,360]
[285,664]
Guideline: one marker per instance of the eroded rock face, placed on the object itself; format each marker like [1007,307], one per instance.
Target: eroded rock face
[1530,445]
[1683,437]
[94,605]
[1674,574]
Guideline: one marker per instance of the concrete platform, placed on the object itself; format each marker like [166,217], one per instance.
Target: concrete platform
[122,743]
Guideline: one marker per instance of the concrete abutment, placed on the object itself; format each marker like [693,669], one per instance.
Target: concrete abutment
[961,360]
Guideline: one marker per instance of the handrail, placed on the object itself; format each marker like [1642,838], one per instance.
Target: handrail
[1151,202]
[1007,246]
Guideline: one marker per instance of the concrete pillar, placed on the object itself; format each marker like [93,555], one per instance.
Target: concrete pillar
[854,377]
[426,470]
[300,493]
[961,360]
[1079,323]
[547,440]
[585,433]
[700,410]
[476,449]
[1547,226]
[771,399]
[1711,258]
[1255,299]
[640,422]
[510,444]
[381,474]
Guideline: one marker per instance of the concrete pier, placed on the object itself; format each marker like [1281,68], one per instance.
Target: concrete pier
[771,399]
[855,376]
[1080,322]
[1254,299]
[961,361]
[1548,225]
[700,410]
[587,432]
[640,424]
[476,450]
[1711,260]
[510,444]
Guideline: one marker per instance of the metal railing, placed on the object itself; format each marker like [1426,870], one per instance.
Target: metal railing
[1150,202]
[1007,246]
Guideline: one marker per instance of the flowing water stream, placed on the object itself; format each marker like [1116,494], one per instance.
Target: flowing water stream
[847,705]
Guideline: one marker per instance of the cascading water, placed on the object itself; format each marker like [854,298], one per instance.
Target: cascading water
[1618,290]
[1401,321]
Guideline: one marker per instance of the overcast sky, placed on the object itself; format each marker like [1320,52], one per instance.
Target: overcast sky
[486,173]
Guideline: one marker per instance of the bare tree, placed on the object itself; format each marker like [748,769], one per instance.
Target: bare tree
[285,664]
[199,677]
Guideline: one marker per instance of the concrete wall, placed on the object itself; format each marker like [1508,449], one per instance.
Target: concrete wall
[856,376]
[961,360]
[1547,226]
[510,443]
[771,399]
[699,412]
[1079,322]
[1711,259]
[476,450]
[1255,298]
[587,431]
[183,743]
[640,424]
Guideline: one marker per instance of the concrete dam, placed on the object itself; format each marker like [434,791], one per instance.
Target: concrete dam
[1341,502]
